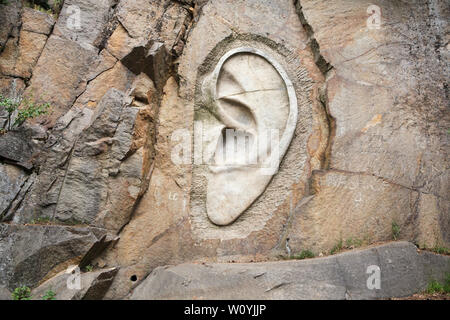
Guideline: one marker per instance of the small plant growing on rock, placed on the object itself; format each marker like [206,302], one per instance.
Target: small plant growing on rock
[436,287]
[49,295]
[28,110]
[89,268]
[337,247]
[21,293]
[395,230]
[305,254]
[41,220]
[441,250]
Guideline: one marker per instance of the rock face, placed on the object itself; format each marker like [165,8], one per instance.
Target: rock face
[29,253]
[92,285]
[142,94]
[12,180]
[99,167]
[403,272]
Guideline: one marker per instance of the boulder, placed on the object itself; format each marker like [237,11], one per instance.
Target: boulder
[30,252]
[17,146]
[403,272]
[92,285]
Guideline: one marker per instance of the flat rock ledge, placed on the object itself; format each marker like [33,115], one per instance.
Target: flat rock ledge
[403,270]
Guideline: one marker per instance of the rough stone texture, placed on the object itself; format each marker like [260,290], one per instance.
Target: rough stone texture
[92,171]
[151,59]
[370,146]
[5,294]
[30,252]
[10,18]
[93,285]
[388,96]
[74,58]
[120,44]
[93,16]
[117,77]
[98,188]
[371,206]
[67,78]
[36,21]
[17,146]
[404,271]
[21,53]
[53,166]
[11,181]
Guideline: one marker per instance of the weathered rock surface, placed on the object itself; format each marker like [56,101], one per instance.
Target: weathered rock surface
[83,21]
[100,166]
[10,17]
[92,285]
[17,146]
[404,271]
[11,181]
[37,21]
[92,170]
[5,294]
[388,98]
[22,52]
[53,165]
[30,252]
[371,206]
[370,146]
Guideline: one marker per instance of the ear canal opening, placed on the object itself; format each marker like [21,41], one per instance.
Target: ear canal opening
[234,148]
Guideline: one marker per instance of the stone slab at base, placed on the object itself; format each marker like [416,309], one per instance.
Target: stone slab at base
[403,271]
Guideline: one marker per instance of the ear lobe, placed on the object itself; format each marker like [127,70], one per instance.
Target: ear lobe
[251,96]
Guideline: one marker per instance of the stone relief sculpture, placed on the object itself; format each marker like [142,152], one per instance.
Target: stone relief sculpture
[254,107]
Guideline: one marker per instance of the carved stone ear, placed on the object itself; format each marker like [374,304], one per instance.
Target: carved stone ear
[251,95]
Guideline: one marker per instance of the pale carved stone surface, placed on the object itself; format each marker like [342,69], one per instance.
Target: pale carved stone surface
[254,101]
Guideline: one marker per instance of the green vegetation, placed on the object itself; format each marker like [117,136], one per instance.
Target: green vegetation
[440,250]
[305,254]
[350,243]
[28,110]
[44,6]
[21,293]
[337,247]
[41,220]
[49,295]
[89,268]
[436,249]
[395,230]
[436,287]
[353,243]
[5,2]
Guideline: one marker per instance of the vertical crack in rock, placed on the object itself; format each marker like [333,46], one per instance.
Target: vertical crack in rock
[325,68]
